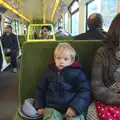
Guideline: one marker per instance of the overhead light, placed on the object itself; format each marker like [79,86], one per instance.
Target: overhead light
[13,10]
[54,9]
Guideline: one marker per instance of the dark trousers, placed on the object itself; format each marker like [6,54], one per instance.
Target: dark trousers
[1,61]
[0,64]
[13,55]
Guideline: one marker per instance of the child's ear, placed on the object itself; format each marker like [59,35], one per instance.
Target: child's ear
[73,60]
[77,57]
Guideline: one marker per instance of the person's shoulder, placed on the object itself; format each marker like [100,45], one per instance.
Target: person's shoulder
[103,32]
[102,50]
[81,36]
[4,34]
[13,34]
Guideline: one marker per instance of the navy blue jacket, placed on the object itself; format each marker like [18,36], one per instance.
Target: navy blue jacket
[10,41]
[69,88]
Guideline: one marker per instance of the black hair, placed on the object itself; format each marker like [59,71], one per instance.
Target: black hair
[60,27]
[113,35]
[48,27]
[9,26]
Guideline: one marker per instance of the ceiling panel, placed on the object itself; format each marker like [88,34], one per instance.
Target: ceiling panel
[61,9]
[33,8]
[49,5]
[67,2]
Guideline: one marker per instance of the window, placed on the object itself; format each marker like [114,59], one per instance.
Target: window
[13,27]
[66,21]
[74,12]
[17,28]
[106,7]
[75,24]
[25,29]
[8,21]
[93,7]
[74,6]
[60,23]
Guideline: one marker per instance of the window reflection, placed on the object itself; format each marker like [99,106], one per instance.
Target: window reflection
[74,11]
[106,7]
[40,32]
[66,21]
[75,24]
[74,6]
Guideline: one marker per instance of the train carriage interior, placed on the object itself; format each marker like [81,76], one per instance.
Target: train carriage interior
[36,28]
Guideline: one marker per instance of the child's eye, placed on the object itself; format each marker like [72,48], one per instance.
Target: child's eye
[58,58]
[65,58]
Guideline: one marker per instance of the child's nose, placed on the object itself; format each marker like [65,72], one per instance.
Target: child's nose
[61,61]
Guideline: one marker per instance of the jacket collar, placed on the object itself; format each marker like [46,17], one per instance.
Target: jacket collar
[74,65]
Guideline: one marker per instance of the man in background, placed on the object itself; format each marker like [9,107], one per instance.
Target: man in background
[10,46]
[95,32]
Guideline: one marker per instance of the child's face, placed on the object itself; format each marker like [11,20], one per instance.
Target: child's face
[63,59]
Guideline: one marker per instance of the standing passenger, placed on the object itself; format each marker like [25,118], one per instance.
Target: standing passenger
[63,91]
[10,46]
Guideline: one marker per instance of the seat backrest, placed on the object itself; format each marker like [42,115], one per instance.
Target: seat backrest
[37,55]
[21,39]
[65,38]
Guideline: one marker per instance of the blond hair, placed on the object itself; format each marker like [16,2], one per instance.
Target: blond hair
[65,47]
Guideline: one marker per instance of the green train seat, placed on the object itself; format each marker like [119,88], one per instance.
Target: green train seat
[37,55]
[65,38]
[21,39]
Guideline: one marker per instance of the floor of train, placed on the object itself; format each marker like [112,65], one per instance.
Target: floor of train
[8,93]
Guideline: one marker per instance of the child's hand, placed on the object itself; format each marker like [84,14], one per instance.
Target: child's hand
[41,112]
[71,112]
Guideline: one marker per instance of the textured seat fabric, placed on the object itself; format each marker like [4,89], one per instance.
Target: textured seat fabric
[21,39]
[37,55]
[18,117]
[65,38]
[8,60]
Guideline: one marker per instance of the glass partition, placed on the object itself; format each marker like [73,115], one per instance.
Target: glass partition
[40,32]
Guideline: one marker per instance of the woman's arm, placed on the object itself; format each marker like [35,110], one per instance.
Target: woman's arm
[100,91]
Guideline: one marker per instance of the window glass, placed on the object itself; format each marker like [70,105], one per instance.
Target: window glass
[8,20]
[106,7]
[13,27]
[17,28]
[75,23]
[66,21]
[74,6]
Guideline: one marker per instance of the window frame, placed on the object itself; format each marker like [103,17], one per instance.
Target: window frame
[64,18]
[72,13]
[90,1]
[7,21]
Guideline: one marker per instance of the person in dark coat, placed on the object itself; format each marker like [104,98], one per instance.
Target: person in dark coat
[95,32]
[10,46]
[63,91]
